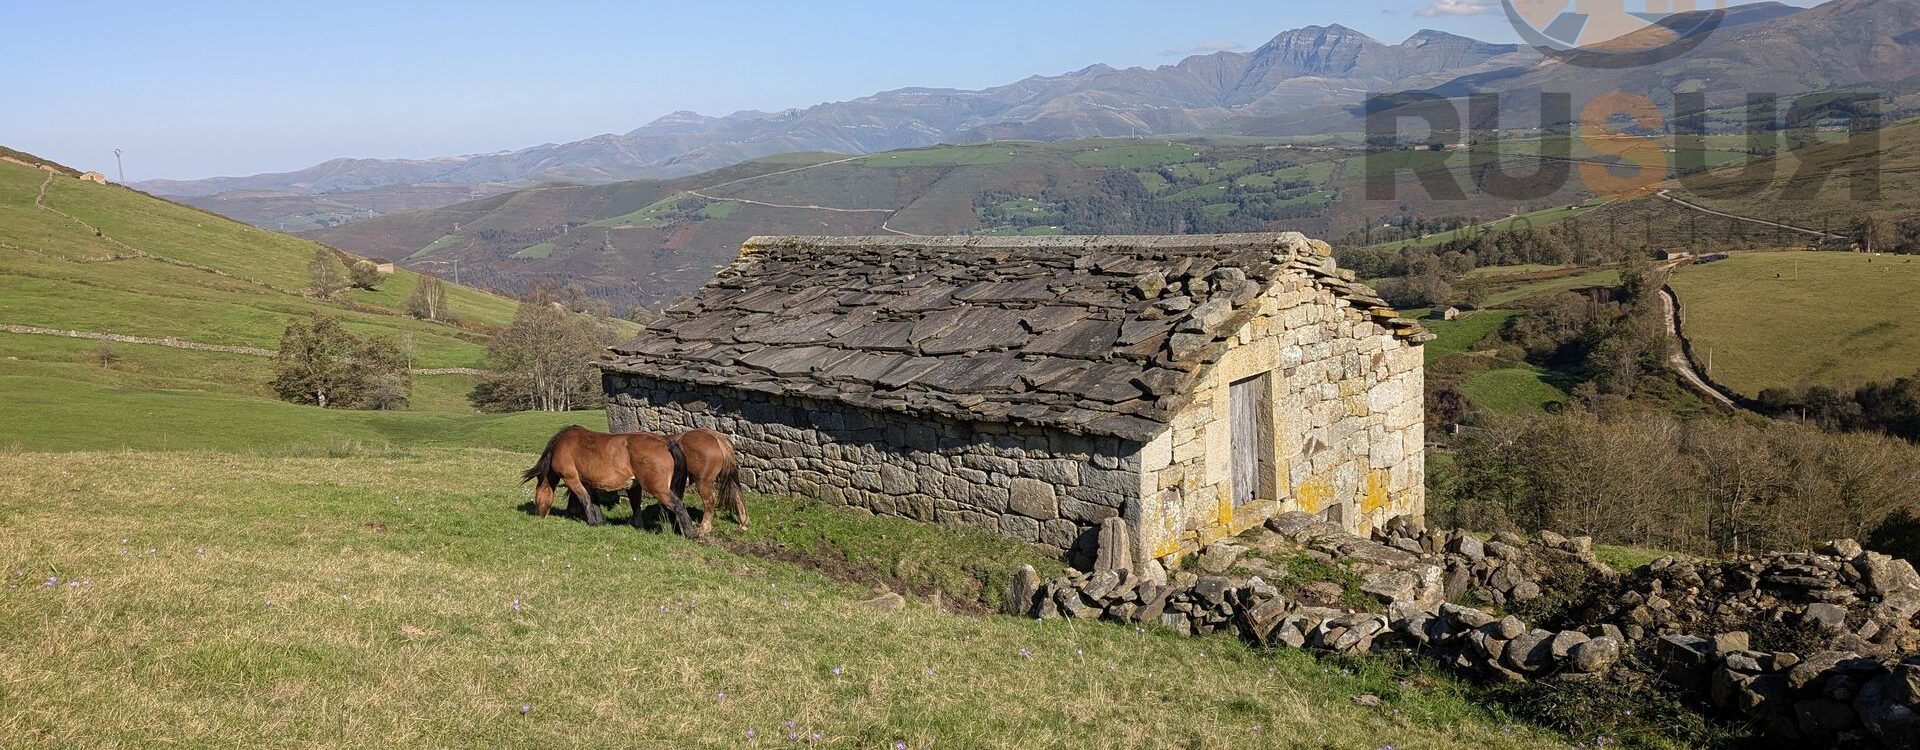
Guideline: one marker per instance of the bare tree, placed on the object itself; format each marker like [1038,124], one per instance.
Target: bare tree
[429,299]
[543,361]
[324,274]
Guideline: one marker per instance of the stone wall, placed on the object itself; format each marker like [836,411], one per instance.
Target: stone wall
[1343,406]
[1042,486]
[1856,684]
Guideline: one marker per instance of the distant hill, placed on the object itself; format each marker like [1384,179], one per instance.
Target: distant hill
[645,242]
[1295,70]
[105,259]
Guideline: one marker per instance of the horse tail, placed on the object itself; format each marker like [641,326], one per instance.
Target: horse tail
[729,481]
[679,467]
[543,468]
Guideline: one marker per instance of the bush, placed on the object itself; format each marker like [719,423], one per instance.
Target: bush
[365,275]
[323,364]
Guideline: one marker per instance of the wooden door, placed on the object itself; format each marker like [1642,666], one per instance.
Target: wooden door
[1246,401]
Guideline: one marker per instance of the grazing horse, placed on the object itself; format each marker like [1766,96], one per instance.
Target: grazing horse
[711,466]
[594,464]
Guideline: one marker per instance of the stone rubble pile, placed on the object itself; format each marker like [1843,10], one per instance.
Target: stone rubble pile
[1843,596]
[1671,619]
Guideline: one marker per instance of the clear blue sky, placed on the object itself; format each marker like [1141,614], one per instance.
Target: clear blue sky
[196,88]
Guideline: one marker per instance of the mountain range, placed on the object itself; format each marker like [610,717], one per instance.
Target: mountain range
[1306,82]
[1296,70]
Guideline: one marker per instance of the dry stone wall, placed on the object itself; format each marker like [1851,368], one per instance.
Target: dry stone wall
[1042,486]
[1855,684]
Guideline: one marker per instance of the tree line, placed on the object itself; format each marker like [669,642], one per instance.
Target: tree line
[540,361]
[1709,486]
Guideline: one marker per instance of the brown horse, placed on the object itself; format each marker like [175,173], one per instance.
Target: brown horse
[595,464]
[703,456]
[710,464]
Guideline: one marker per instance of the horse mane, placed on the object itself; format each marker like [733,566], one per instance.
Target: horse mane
[544,466]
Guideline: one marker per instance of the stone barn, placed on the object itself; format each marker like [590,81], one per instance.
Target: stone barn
[1036,386]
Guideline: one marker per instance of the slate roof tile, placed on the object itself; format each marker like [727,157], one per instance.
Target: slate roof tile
[1050,331]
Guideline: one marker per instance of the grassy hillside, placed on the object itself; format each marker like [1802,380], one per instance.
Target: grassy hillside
[385,600]
[1790,319]
[81,256]
[158,269]
[1814,187]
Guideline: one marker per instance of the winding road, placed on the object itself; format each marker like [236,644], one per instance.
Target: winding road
[1666,195]
[808,207]
[1677,355]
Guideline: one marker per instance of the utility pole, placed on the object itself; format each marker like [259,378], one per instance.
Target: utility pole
[121,165]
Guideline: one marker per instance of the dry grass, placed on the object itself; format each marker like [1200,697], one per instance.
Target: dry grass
[1791,319]
[211,600]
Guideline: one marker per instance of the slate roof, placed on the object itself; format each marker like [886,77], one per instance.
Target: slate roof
[1100,335]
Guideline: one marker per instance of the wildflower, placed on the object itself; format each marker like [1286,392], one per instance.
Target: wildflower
[345,598]
[1026,654]
[53,581]
[816,736]
[750,734]
[836,671]
[1077,653]
[899,746]
[525,707]
[720,696]
[789,723]
[930,673]
[1256,728]
[199,550]
[516,606]
[793,736]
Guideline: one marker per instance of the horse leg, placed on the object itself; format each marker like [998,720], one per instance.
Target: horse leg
[584,500]
[682,522]
[709,504]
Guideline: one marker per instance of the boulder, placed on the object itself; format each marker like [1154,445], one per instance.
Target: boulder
[1114,546]
[1101,583]
[1021,590]
[1217,558]
[1883,710]
[1593,656]
[1563,642]
[1468,546]
[1390,585]
[1827,617]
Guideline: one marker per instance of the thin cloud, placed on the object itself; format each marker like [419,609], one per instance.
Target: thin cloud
[1457,8]
[1206,47]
